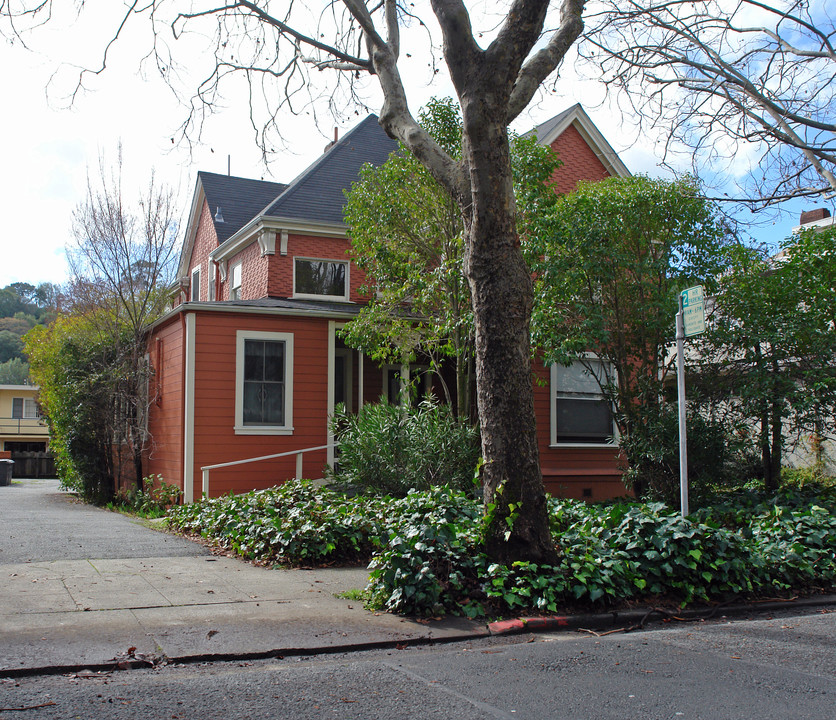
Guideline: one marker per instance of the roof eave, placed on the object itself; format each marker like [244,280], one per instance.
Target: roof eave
[593,137]
[815,225]
[253,229]
[198,199]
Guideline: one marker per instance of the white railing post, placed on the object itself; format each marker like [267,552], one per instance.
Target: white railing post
[299,465]
[206,482]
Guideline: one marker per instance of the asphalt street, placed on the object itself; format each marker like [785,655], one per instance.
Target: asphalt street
[771,668]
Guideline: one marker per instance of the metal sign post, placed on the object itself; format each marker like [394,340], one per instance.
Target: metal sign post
[683,432]
[690,320]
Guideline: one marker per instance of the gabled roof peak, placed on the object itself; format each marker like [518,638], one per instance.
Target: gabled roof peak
[548,131]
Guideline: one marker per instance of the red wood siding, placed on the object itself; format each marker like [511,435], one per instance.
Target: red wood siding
[165,422]
[569,471]
[215,440]
[579,161]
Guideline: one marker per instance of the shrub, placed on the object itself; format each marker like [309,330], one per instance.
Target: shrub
[295,524]
[428,565]
[426,555]
[717,455]
[153,502]
[798,545]
[391,449]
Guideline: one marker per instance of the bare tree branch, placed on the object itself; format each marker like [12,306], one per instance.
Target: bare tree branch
[724,77]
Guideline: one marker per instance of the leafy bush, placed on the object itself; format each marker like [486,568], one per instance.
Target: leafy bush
[153,502]
[428,564]
[392,449]
[798,545]
[426,556]
[717,455]
[295,524]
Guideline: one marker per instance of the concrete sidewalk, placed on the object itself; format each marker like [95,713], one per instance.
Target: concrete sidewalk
[90,613]
[84,587]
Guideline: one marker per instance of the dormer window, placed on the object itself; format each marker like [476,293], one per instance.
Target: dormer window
[319,279]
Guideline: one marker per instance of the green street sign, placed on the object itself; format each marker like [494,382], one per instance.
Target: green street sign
[693,311]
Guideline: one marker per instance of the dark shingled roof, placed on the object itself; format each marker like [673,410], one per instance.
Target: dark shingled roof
[317,194]
[239,199]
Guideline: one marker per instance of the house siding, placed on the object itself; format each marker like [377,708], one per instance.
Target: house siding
[205,241]
[164,455]
[589,472]
[280,282]
[579,161]
[215,440]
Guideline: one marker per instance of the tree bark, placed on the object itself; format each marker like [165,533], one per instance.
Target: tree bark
[502,293]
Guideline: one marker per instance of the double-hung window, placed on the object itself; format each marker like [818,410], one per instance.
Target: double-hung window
[264,383]
[320,279]
[194,295]
[580,413]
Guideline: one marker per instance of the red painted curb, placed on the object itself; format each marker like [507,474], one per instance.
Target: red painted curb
[544,623]
[501,627]
[517,625]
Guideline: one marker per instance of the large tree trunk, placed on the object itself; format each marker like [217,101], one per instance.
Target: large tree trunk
[517,521]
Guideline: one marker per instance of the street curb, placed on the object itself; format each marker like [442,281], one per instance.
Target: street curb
[139,662]
[636,619]
[619,621]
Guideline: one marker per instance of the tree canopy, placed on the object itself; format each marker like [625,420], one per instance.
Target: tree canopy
[770,349]
[610,260]
[407,234]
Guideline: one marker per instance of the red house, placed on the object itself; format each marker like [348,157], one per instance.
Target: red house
[249,364]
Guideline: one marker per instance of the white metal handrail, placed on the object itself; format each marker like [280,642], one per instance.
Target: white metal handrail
[298,453]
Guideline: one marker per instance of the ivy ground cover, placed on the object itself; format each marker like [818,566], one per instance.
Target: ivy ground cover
[425,558]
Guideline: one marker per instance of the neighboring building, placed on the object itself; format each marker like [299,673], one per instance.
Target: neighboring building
[249,363]
[810,449]
[22,432]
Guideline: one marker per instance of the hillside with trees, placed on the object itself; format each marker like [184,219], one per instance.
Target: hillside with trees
[22,307]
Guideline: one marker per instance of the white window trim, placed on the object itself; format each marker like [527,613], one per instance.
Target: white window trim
[309,296]
[232,287]
[240,429]
[28,408]
[195,283]
[213,272]
[553,414]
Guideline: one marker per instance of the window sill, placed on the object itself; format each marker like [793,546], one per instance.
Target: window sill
[594,446]
[262,430]
[330,298]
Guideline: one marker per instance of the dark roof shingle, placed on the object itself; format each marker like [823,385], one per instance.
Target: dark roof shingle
[240,200]
[317,194]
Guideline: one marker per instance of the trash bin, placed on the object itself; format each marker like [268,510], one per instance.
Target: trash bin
[6,471]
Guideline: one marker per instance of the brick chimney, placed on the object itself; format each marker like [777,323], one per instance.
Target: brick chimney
[810,216]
